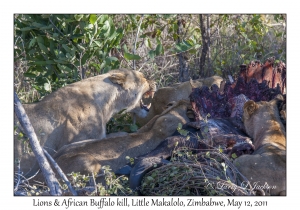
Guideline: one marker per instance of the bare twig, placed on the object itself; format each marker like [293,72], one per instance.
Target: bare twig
[94,183]
[136,38]
[60,172]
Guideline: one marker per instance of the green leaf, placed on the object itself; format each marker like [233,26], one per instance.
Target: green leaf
[32,42]
[113,34]
[146,34]
[46,27]
[181,47]
[30,75]
[95,29]
[108,30]
[26,29]
[207,154]
[105,29]
[189,43]
[103,18]
[77,36]
[150,178]
[38,25]
[39,63]
[111,59]
[60,61]
[64,68]
[130,56]
[85,57]
[40,39]
[193,51]
[133,127]
[42,47]
[159,49]
[183,132]
[244,35]
[21,135]
[93,18]
[103,64]
[179,126]
[55,35]
[98,43]
[50,62]
[152,54]
[197,29]
[52,47]
[205,130]
[125,48]
[196,46]
[148,43]
[78,17]
[106,69]
[234,156]
[66,48]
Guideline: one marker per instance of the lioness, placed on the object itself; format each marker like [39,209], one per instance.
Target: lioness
[81,110]
[175,93]
[265,168]
[89,156]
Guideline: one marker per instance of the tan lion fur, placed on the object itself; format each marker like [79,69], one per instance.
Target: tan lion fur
[89,156]
[267,165]
[175,93]
[81,110]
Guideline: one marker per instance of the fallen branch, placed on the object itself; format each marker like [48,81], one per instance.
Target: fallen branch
[60,172]
[51,181]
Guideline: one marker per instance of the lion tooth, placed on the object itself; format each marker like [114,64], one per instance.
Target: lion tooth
[148,107]
[152,94]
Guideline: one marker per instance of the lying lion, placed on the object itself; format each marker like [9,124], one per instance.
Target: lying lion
[175,93]
[81,110]
[89,156]
[265,168]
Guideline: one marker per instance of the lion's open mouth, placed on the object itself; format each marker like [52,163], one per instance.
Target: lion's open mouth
[145,107]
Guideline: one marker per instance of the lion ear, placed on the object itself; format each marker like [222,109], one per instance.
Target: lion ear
[249,108]
[118,78]
[195,83]
[277,99]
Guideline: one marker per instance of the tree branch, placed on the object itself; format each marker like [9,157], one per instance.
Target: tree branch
[60,172]
[36,148]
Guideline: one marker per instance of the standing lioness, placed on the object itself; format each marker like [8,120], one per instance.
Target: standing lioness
[81,110]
